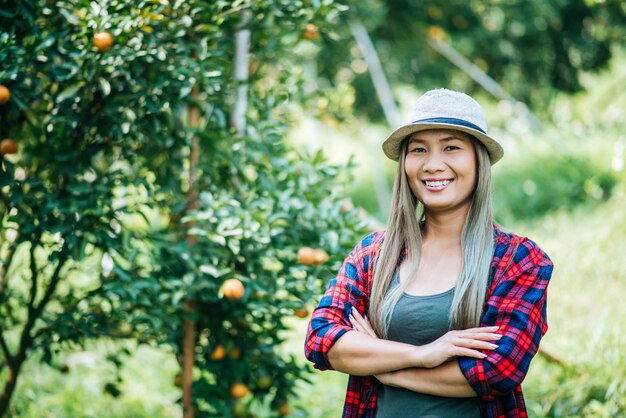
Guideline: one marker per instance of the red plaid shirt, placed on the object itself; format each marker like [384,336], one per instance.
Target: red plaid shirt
[516,302]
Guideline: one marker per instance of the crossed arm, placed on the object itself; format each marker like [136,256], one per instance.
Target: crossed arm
[429,369]
[459,364]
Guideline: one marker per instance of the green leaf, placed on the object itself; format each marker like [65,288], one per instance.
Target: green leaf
[69,92]
[72,20]
[105,86]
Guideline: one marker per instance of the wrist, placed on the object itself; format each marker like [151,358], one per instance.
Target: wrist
[386,378]
[417,357]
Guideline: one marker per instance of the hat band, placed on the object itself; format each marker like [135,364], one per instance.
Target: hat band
[451,121]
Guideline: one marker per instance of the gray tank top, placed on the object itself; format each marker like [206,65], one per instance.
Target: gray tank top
[420,320]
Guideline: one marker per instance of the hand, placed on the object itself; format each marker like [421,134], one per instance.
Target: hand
[385,378]
[458,343]
[361,324]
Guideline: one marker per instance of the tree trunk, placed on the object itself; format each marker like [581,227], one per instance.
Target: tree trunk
[189,324]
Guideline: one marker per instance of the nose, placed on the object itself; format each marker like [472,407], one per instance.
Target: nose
[434,162]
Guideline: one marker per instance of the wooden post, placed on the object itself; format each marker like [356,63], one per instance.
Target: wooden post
[385,95]
[488,83]
[241,75]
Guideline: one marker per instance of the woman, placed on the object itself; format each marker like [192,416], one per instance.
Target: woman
[441,314]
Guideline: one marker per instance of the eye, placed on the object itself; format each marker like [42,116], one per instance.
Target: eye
[451,148]
[417,149]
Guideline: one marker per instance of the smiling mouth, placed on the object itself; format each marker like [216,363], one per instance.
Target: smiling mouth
[435,185]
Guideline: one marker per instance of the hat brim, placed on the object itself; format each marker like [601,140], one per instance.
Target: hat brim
[391,146]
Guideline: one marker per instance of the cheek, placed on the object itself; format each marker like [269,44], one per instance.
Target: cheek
[410,167]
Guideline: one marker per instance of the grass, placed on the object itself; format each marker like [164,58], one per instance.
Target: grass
[76,386]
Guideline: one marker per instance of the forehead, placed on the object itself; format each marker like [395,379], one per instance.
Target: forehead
[438,135]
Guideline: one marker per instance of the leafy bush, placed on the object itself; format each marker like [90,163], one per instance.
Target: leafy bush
[542,184]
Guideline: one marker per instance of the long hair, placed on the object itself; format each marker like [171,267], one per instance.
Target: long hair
[403,231]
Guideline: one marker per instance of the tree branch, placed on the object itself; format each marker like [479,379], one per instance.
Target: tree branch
[34,276]
[6,201]
[4,266]
[5,349]
[54,280]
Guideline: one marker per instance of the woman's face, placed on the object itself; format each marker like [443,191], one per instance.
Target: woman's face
[441,169]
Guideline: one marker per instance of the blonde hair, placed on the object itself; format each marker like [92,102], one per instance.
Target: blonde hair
[403,231]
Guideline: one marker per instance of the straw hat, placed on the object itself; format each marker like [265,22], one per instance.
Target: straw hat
[445,109]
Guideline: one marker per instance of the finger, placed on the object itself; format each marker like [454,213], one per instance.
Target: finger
[358,318]
[481,329]
[368,326]
[476,344]
[364,326]
[356,314]
[479,335]
[468,352]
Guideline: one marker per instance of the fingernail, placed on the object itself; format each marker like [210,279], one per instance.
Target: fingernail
[493,345]
[482,355]
[499,336]
[494,327]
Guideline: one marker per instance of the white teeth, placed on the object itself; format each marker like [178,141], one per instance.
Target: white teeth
[438,183]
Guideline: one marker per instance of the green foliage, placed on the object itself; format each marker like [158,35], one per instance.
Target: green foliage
[76,384]
[109,226]
[532,48]
[544,183]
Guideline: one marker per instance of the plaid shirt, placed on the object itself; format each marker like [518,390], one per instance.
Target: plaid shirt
[516,302]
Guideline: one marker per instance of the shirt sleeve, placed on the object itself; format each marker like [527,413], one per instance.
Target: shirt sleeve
[330,320]
[517,304]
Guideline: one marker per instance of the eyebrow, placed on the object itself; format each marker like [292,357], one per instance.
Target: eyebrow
[446,139]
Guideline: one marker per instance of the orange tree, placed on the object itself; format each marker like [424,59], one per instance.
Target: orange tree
[113,106]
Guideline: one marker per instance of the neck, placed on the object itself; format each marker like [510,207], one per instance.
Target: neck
[445,226]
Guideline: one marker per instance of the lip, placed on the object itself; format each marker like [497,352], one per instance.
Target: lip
[436,185]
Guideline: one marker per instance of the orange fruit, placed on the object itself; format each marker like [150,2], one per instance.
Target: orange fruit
[346,206]
[5,94]
[436,32]
[320,257]
[284,410]
[306,255]
[301,313]
[264,382]
[235,353]
[239,390]
[219,353]
[102,40]
[310,32]
[233,289]
[310,256]
[8,146]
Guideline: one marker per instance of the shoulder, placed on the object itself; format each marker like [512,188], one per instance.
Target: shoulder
[367,249]
[371,243]
[518,250]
